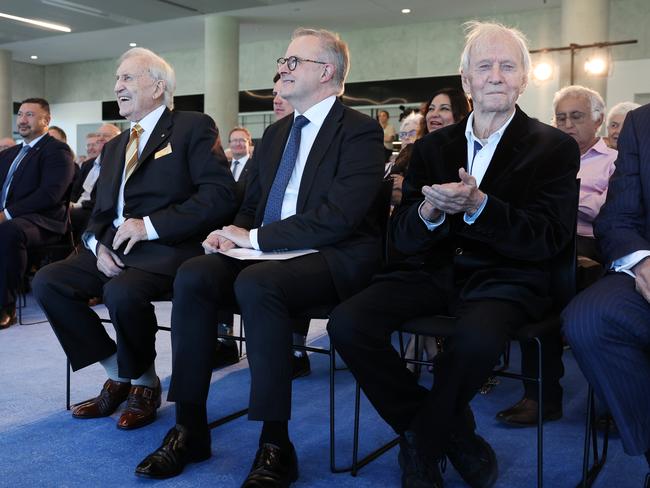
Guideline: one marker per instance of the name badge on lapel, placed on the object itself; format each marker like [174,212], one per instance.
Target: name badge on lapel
[164,151]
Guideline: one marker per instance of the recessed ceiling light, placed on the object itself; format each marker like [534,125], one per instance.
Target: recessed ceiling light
[33,56]
[39,23]
[133,44]
[406,10]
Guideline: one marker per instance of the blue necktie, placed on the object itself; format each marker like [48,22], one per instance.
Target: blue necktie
[12,169]
[273,210]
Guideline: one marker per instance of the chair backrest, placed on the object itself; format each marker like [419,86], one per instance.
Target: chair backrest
[382,211]
[563,266]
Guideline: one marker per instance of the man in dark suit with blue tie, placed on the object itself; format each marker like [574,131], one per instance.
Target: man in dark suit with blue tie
[312,185]
[36,180]
[608,324]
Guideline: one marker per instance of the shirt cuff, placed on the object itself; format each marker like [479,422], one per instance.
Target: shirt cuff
[431,225]
[470,219]
[90,241]
[7,214]
[252,235]
[152,235]
[76,204]
[626,263]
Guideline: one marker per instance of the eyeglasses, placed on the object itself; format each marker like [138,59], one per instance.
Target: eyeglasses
[576,118]
[238,141]
[292,62]
[411,133]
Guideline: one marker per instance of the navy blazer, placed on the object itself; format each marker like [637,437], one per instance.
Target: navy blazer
[528,219]
[182,184]
[39,190]
[341,179]
[623,224]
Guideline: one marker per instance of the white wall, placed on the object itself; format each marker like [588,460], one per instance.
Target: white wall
[627,79]
[69,115]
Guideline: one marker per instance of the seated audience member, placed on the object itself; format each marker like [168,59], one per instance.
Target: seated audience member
[411,129]
[160,190]
[36,178]
[313,182]
[82,198]
[240,141]
[6,143]
[578,112]
[93,146]
[608,324]
[58,133]
[615,119]
[483,215]
[389,132]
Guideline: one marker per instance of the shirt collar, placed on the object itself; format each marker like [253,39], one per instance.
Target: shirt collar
[317,113]
[495,136]
[599,148]
[149,121]
[35,141]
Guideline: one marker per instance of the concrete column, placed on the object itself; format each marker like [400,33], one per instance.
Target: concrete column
[222,71]
[584,22]
[6,101]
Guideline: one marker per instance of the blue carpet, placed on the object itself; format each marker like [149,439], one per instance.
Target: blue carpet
[44,446]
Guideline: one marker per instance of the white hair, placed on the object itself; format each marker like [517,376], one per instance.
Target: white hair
[595,100]
[476,32]
[158,69]
[621,109]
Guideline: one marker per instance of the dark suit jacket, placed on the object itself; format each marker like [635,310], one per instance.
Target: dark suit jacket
[40,187]
[77,185]
[186,193]
[527,220]
[342,176]
[240,184]
[623,224]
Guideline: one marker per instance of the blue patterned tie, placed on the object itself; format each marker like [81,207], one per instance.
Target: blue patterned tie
[273,210]
[12,169]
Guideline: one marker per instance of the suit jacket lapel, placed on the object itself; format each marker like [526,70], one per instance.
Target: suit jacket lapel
[160,134]
[328,130]
[9,159]
[455,153]
[509,151]
[25,161]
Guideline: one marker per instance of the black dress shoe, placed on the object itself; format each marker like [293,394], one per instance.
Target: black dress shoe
[177,449]
[301,366]
[418,469]
[474,459]
[524,413]
[225,354]
[273,468]
[7,316]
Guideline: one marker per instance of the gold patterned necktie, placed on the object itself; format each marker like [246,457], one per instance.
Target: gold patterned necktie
[132,151]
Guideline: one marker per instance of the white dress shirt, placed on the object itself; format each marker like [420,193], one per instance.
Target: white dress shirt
[316,115]
[89,183]
[31,145]
[236,170]
[148,123]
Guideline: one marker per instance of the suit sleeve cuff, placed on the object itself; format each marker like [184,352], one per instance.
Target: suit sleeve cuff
[470,219]
[7,214]
[626,263]
[252,235]
[152,235]
[431,225]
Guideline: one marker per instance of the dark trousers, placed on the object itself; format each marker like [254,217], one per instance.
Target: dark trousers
[608,327]
[16,237]
[79,218]
[361,328]
[63,289]
[267,292]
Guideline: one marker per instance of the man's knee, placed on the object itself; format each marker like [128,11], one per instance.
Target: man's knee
[43,280]
[255,283]
[195,278]
[346,326]
[10,234]
[118,295]
[582,323]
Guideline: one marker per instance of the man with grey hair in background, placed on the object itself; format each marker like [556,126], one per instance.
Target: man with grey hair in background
[161,189]
[482,217]
[615,120]
[6,143]
[314,178]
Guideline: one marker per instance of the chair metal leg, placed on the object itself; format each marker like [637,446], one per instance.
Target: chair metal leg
[589,475]
[540,418]
[67,384]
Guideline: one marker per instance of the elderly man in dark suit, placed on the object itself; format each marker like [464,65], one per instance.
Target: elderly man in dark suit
[488,203]
[36,180]
[314,178]
[608,324]
[161,189]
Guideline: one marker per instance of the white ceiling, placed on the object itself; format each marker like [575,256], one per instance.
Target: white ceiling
[103,29]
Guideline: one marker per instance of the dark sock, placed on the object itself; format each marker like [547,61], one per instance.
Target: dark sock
[193,417]
[647,457]
[275,433]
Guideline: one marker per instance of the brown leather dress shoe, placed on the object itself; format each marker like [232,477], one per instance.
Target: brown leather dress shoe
[141,406]
[524,413]
[112,395]
[7,316]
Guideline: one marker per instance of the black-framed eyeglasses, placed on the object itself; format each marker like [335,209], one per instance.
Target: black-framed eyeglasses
[292,62]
